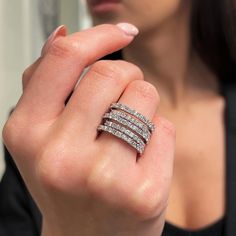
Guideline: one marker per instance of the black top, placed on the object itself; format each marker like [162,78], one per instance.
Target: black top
[19,215]
[215,229]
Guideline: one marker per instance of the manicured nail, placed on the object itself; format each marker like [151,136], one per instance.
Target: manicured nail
[128,29]
[59,31]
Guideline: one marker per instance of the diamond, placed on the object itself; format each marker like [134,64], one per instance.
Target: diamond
[145,134]
[139,147]
[125,131]
[135,113]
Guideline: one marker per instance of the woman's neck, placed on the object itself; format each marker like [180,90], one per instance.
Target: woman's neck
[169,63]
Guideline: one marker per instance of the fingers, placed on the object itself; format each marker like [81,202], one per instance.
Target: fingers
[156,163]
[103,84]
[116,165]
[142,97]
[58,72]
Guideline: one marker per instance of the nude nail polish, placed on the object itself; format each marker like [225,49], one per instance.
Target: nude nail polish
[128,29]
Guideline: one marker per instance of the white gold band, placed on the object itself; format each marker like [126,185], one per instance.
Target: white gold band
[128,125]
[145,134]
[123,136]
[138,115]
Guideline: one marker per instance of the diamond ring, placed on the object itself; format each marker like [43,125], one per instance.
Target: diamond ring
[128,125]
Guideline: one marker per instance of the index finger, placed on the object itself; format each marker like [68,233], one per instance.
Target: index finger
[60,69]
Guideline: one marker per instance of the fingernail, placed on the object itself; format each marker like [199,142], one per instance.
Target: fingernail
[128,29]
[59,31]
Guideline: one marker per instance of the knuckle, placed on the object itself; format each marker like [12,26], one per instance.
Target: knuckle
[26,77]
[148,201]
[7,133]
[118,72]
[108,70]
[52,169]
[101,179]
[12,133]
[58,169]
[131,70]
[29,71]
[46,172]
[63,47]
[145,90]
[25,74]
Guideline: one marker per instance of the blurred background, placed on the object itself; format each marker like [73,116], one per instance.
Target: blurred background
[24,26]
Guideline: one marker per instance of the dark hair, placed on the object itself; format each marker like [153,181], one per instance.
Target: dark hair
[214,35]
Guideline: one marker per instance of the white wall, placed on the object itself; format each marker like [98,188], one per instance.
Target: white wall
[21,38]
[19,45]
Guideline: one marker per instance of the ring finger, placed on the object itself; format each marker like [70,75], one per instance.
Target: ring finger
[142,97]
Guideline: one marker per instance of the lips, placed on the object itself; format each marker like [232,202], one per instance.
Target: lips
[98,2]
[103,6]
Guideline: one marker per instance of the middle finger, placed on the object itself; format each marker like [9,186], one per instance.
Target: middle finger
[103,84]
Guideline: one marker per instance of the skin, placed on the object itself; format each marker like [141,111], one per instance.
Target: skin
[89,184]
[95,185]
[190,99]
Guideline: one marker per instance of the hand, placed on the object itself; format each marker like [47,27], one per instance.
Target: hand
[85,183]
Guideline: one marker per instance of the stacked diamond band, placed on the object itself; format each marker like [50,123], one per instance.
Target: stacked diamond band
[128,125]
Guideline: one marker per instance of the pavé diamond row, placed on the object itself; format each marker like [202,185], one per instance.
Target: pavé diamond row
[137,146]
[145,135]
[123,107]
[126,116]
[125,131]
[128,125]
